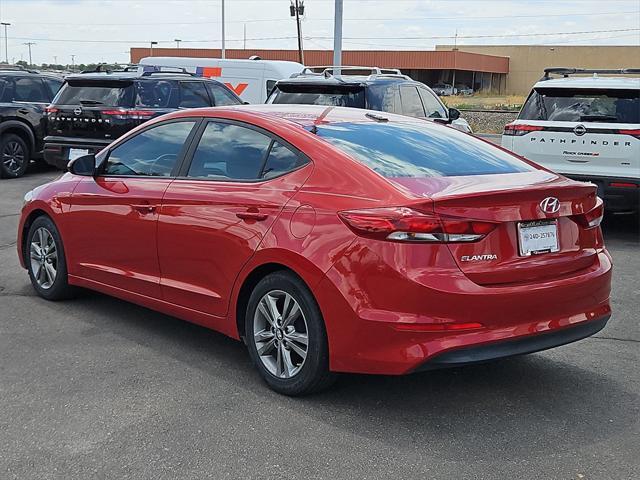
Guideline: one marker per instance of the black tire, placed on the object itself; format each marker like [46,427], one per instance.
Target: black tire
[14,156]
[59,289]
[312,374]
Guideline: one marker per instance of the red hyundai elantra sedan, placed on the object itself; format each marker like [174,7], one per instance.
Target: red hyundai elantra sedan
[329,239]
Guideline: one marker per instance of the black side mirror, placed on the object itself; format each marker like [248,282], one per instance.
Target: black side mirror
[454,114]
[84,165]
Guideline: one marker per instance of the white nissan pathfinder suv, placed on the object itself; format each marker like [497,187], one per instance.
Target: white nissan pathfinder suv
[587,128]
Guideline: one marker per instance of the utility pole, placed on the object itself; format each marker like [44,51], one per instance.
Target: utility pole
[151,48]
[177,40]
[337,37]
[6,44]
[29,44]
[297,10]
[55,59]
[223,52]
[73,63]
[244,43]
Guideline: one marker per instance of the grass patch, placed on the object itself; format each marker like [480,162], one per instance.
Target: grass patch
[486,102]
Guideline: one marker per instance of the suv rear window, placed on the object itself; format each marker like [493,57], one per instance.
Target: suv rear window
[410,150]
[582,105]
[319,95]
[110,94]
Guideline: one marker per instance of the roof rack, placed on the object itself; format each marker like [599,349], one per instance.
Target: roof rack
[371,72]
[565,72]
[16,68]
[148,70]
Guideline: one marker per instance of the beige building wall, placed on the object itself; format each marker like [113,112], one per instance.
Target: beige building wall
[527,62]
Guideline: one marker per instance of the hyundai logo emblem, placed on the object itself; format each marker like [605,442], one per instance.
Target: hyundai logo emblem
[77,111]
[579,130]
[550,205]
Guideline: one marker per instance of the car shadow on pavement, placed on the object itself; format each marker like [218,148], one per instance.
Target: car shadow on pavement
[524,406]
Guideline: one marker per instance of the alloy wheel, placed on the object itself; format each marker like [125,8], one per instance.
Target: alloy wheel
[280,334]
[13,156]
[44,258]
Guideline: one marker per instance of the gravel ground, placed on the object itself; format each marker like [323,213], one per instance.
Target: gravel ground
[488,122]
[99,388]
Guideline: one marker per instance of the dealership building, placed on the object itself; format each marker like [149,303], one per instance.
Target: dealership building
[502,69]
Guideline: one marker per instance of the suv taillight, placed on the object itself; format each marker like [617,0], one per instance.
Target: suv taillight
[593,217]
[517,129]
[130,114]
[403,224]
[51,110]
[633,133]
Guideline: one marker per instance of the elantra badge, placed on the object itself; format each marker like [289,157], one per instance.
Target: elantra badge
[479,258]
[550,205]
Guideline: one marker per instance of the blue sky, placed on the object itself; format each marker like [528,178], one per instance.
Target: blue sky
[103,30]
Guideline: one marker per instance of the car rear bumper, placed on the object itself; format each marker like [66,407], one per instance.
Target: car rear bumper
[388,323]
[56,149]
[619,194]
[519,346]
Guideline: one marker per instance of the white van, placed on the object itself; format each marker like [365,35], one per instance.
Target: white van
[252,80]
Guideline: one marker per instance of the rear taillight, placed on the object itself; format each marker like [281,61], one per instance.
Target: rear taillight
[130,114]
[624,185]
[403,224]
[633,133]
[517,129]
[592,218]
[51,110]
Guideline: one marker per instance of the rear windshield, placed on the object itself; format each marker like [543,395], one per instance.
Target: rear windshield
[582,105]
[94,93]
[338,97]
[413,150]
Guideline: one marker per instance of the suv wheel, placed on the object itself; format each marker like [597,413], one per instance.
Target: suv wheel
[14,156]
[286,337]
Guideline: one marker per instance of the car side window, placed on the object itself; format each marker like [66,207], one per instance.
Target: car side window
[384,98]
[152,153]
[432,107]
[411,103]
[193,95]
[221,96]
[229,152]
[30,90]
[270,85]
[281,160]
[54,85]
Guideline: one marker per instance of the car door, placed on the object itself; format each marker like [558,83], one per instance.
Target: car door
[31,96]
[111,226]
[410,100]
[214,216]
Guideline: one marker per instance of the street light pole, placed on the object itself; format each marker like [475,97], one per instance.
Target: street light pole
[73,63]
[223,50]
[337,37]
[297,9]
[177,40]
[29,44]
[6,44]
[151,48]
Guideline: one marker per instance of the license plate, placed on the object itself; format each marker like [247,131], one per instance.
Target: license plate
[77,152]
[538,237]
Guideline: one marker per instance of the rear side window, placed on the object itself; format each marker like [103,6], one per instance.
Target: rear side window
[54,85]
[30,90]
[221,96]
[281,160]
[229,152]
[109,94]
[153,152]
[582,105]
[193,95]
[156,94]
[384,98]
[411,103]
[411,150]
[321,95]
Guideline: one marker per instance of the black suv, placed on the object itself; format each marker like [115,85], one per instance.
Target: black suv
[24,94]
[373,88]
[94,108]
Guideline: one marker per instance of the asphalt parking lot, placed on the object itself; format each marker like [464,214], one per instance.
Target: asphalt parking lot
[99,388]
